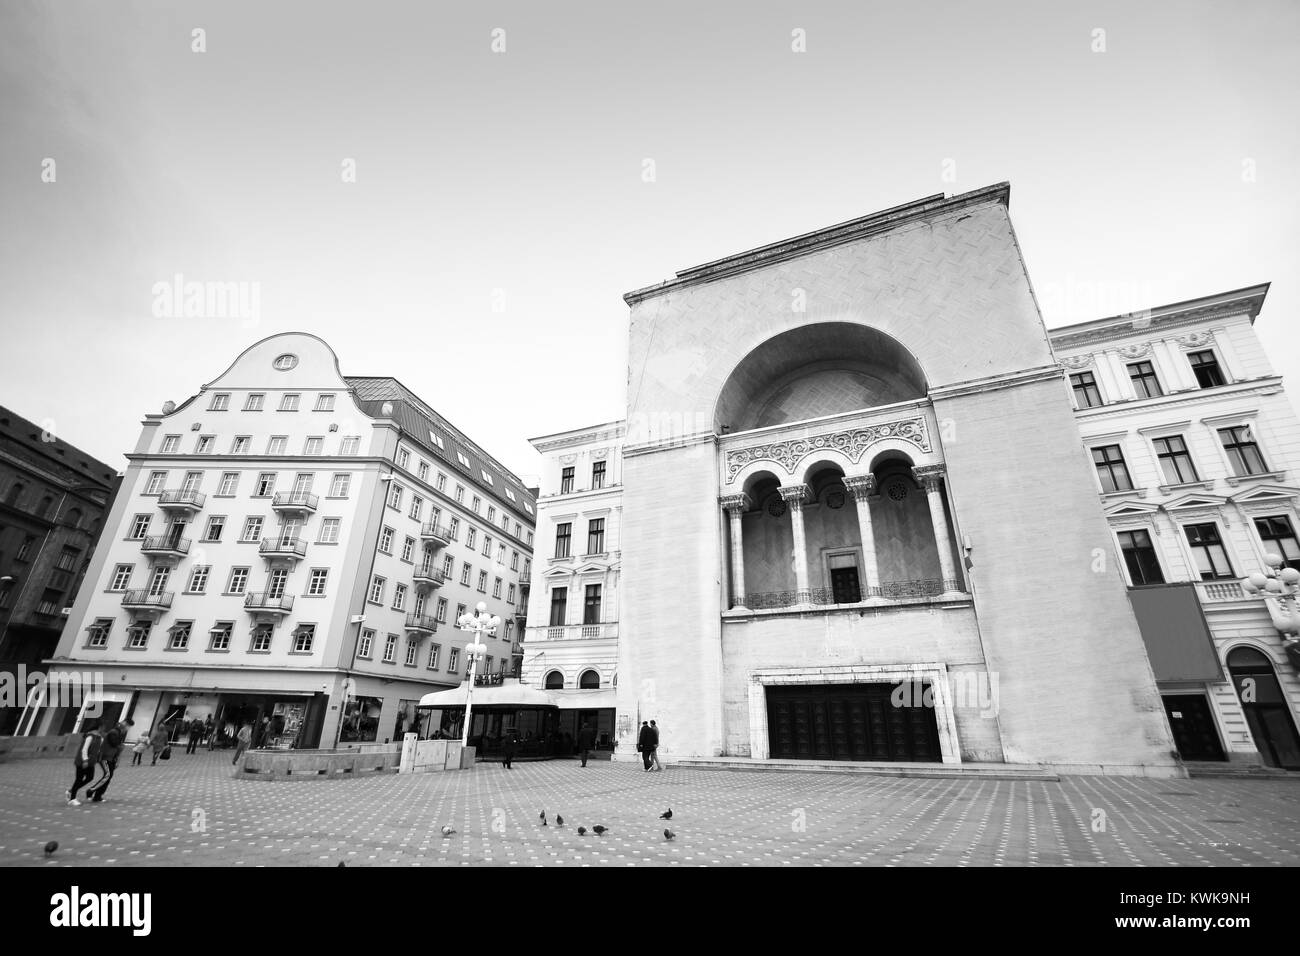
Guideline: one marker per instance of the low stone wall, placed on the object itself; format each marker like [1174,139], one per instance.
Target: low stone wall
[316,764]
[20,748]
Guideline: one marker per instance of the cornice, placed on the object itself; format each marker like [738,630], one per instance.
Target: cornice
[995,382]
[1265,385]
[1247,301]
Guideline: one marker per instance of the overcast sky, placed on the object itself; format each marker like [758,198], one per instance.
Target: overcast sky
[500,207]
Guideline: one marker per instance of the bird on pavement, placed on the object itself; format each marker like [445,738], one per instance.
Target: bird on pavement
[582,831]
[542,817]
[669,834]
[559,820]
[599,830]
[667,814]
[51,847]
[447,831]
[341,863]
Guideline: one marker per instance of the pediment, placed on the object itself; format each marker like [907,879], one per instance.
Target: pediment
[1266,493]
[1195,502]
[1131,508]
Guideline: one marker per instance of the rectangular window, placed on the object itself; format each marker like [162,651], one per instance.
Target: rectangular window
[591,605]
[460,611]
[179,634]
[408,549]
[1143,377]
[367,642]
[519,532]
[1086,394]
[137,635]
[399,597]
[477,504]
[559,606]
[67,560]
[242,445]
[386,540]
[442,611]
[1205,366]
[460,495]
[423,471]
[448,566]
[204,445]
[486,477]
[1140,558]
[471,538]
[316,584]
[501,554]
[496,588]
[487,664]
[192,481]
[482,582]
[465,573]
[315,446]
[199,578]
[261,643]
[453,659]
[171,444]
[238,581]
[412,649]
[229,482]
[395,496]
[289,402]
[417,507]
[596,536]
[215,526]
[597,474]
[275,583]
[265,486]
[514,560]
[437,439]
[403,458]
[442,483]
[1175,463]
[1243,453]
[329,530]
[1208,551]
[1111,470]
[121,577]
[1278,537]
[454,529]
[434,651]
[377,589]
[219,636]
[139,527]
[510,594]
[350,445]
[563,533]
[220,402]
[491,513]
[390,649]
[304,635]
[461,457]
[255,401]
[157,481]
[279,445]
[487,546]
[325,403]
[566,480]
[339,485]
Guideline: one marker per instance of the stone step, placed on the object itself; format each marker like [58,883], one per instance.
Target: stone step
[1209,770]
[985,771]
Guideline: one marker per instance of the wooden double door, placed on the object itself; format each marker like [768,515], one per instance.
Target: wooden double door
[851,722]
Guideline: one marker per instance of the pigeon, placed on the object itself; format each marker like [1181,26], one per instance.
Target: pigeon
[599,830]
[669,834]
[559,820]
[447,831]
[667,814]
[582,831]
[51,847]
[341,863]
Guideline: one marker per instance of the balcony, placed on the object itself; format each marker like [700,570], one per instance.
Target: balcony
[521,613]
[888,592]
[146,600]
[295,502]
[1218,592]
[181,501]
[165,546]
[264,602]
[421,623]
[427,576]
[579,632]
[290,550]
[437,533]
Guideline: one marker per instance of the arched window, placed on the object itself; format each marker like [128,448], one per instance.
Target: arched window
[74,517]
[46,504]
[554,681]
[15,493]
[589,680]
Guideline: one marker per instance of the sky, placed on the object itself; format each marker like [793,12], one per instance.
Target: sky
[458,194]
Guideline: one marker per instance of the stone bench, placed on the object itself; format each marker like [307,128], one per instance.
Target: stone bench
[316,764]
[24,748]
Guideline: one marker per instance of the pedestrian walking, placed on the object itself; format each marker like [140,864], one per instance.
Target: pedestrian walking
[138,750]
[654,746]
[109,751]
[210,731]
[509,745]
[196,735]
[586,740]
[643,744]
[242,740]
[84,760]
[157,742]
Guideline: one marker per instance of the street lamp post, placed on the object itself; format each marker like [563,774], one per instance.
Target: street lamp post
[480,624]
[1282,585]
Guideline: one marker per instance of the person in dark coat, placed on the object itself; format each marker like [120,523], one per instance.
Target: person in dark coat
[109,751]
[509,744]
[158,741]
[643,743]
[196,735]
[586,740]
[84,760]
[654,746]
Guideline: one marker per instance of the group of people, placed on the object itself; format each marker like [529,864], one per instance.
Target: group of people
[647,742]
[96,759]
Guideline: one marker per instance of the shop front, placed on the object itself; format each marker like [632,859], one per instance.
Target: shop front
[277,721]
[496,712]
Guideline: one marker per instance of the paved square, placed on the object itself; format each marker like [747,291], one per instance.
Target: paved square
[190,811]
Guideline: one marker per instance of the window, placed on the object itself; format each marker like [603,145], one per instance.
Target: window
[505,523]
[487,664]
[261,639]
[1243,453]
[329,530]
[487,545]
[423,471]
[205,445]
[289,402]
[492,513]
[303,637]
[191,481]
[436,439]
[137,635]
[315,446]
[559,605]
[471,536]
[1174,461]
[242,445]
[1145,383]
[171,444]
[442,611]
[434,651]
[350,445]
[215,525]
[417,507]
[399,597]
[465,573]
[316,584]
[219,636]
[453,660]
[403,458]
[510,627]
[1205,366]
[408,549]
[563,532]
[255,401]
[220,402]
[448,566]
[390,649]
[67,560]
[98,632]
[589,680]
[598,474]
[460,457]
[199,578]
[418,607]
[496,587]
[366,643]
[158,583]
[482,582]
[377,589]
[1086,394]
[454,529]
[238,581]
[460,611]
[339,485]
[1140,558]
[501,554]
[275,583]
[395,496]
[386,540]
[265,485]
[1208,552]
[179,635]
[591,605]
[511,495]
[121,577]
[554,681]
[1278,537]
[477,504]
[460,495]
[157,480]
[279,445]
[596,536]
[412,649]
[325,403]
[510,594]
[566,480]
[139,528]
[229,482]
[530,539]
[442,483]
[1111,469]
[486,477]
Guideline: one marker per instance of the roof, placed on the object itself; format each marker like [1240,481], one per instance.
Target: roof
[505,694]
[1248,300]
[20,431]
[416,419]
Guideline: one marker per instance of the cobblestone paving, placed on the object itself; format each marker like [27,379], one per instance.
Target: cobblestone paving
[190,811]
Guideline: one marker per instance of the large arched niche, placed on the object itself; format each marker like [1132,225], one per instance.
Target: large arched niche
[814,371]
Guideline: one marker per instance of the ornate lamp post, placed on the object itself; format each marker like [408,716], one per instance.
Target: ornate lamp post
[480,623]
[1279,587]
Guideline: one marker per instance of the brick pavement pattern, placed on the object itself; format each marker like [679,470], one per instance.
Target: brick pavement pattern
[191,811]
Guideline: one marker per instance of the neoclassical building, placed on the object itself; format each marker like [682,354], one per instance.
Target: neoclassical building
[858,520]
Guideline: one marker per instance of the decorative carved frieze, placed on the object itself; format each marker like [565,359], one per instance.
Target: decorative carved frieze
[1135,351]
[568,459]
[740,502]
[860,486]
[1194,340]
[853,443]
[1076,362]
[599,454]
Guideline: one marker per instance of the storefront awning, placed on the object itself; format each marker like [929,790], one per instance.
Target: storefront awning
[507,694]
[605,697]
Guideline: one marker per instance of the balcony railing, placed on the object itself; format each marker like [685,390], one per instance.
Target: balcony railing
[165,544]
[182,500]
[575,632]
[268,602]
[825,597]
[429,576]
[283,548]
[1214,592]
[144,598]
[295,501]
[433,531]
[424,623]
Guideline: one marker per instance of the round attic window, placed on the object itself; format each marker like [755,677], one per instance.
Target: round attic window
[285,362]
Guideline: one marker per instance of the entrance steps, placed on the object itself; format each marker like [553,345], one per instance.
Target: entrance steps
[1217,769]
[982,771]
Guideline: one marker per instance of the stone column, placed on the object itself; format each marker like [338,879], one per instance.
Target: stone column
[930,476]
[862,487]
[794,496]
[736,506]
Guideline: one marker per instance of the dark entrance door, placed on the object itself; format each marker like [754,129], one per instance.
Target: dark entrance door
[844,585]
[1267,712]
[849,722]
[1192,723]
